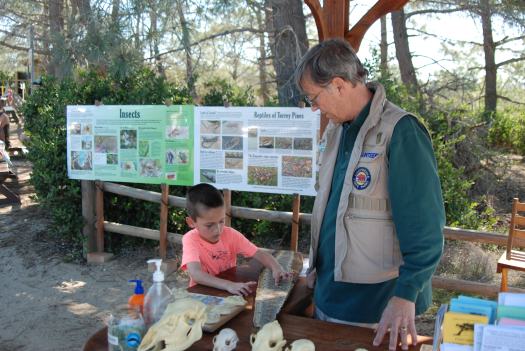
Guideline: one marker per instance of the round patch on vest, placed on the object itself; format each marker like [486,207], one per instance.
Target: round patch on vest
[361,178]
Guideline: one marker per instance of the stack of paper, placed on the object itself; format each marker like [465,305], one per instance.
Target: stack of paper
[459,322]
[473,324]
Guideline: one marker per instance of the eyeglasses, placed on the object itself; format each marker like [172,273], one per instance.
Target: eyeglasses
[312,101]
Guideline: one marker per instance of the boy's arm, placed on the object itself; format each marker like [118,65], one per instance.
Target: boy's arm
[203,278]
[270,262]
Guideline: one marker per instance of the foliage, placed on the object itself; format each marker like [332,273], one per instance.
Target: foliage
[508,131]
[217,91]
[271,234]
[45,116]
[460,210]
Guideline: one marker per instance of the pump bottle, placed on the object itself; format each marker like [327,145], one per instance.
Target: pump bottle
[157,298]
[136,301]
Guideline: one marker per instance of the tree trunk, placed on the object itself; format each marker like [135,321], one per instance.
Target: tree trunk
[190,78]
[56,34]
[291,43]
[263,75]
[115,7]
[154,35]
[404,57]
[384,48]
[489,49]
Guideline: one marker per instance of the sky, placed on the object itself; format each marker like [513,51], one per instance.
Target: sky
[426,49]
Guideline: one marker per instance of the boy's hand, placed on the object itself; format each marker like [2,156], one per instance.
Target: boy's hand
[240,288]
[280,274]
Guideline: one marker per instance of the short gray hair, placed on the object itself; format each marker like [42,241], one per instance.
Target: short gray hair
[329,59]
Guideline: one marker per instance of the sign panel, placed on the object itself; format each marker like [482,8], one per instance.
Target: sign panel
[270,149]
[261,149]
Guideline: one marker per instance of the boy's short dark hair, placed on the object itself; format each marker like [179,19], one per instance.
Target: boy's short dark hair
[202,196]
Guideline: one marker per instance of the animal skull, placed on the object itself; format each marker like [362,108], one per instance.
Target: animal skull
[226,340]
[179,327]
[301,345]
[269,338]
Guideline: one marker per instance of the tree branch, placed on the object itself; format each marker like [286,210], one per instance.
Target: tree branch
[220,34]
[508,40]
[506,62]
[435,11]
[510,100]
[21,48]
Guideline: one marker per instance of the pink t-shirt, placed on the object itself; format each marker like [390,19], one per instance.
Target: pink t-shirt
[217,257]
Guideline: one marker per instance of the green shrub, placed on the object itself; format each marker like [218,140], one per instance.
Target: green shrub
[217,91]
[508,131]
[45,116]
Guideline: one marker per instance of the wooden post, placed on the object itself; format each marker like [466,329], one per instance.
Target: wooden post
[228,206]
[99,256]
[504,280]
[100,216]
[88,214]
[164,220]
[295,222]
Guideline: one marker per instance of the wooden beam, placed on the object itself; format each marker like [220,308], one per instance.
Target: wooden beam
[294,240]
[164,220]
[88,214]
[139,232]
[100,216]
[228,206]
[317,12]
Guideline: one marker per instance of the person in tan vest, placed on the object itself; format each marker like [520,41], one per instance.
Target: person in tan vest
[378,217]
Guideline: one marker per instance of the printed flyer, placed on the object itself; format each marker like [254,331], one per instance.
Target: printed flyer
[140,144]
[259,149]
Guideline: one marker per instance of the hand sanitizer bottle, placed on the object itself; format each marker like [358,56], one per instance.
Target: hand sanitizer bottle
[157,298]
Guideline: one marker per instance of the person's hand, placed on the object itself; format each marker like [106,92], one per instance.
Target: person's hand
[280,274]
[311,278]
[399,316]
[241,288]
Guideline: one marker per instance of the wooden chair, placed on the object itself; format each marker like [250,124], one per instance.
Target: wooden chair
[513,259]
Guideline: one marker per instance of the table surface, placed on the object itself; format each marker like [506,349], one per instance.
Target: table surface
[292,318]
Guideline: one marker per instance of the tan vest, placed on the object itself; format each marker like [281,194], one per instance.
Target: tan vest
[366,245]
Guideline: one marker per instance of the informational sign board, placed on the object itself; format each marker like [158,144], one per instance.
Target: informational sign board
[266,149]
[261,149]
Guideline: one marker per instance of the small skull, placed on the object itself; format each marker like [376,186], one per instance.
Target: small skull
[269,338]
[226,340]
[301,345]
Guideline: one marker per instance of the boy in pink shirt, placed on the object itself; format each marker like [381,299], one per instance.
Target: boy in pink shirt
[211,248]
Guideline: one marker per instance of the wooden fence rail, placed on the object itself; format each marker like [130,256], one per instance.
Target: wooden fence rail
[287,217]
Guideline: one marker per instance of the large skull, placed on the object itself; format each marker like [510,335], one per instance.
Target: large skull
[179,327]
[269,338]
[226,340]
[301,345]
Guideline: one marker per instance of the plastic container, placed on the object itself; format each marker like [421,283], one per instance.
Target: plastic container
[157,298]
[136,301]
[125,329]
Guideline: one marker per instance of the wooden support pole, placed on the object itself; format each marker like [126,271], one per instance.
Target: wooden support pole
[88,214]
[228,206]
[164,221]
[295,222]
[100,216]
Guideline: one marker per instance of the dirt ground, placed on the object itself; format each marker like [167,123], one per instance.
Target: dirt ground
[47,303]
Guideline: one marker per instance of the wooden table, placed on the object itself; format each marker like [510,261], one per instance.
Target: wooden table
[5,173]
[293,320]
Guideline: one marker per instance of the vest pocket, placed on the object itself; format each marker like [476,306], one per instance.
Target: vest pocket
[371,250]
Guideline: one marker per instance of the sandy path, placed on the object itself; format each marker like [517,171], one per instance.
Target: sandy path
[47,303]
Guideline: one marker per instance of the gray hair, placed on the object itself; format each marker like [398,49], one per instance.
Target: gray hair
[329,59]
